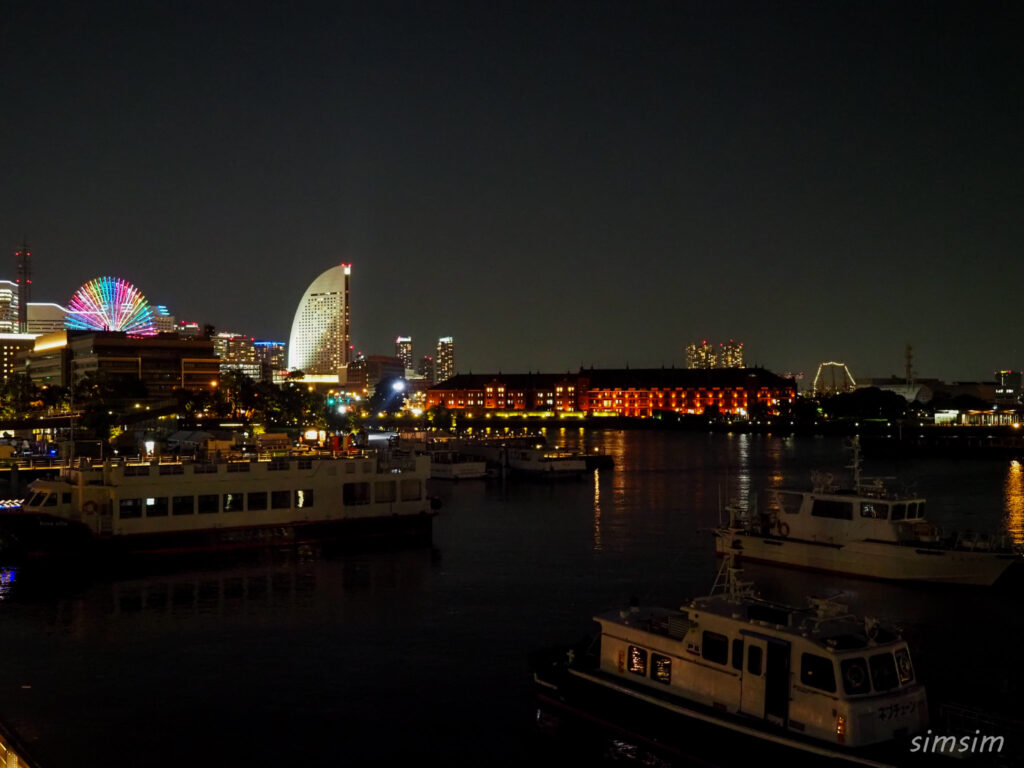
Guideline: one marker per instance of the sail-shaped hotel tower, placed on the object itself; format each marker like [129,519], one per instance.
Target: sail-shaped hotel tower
[319,342]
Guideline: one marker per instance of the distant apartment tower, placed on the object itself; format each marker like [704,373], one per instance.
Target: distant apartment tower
[730,355]
[189,329]
[236,353]
[445,360]
[24,258]
[427,369]
[273,359]
[700,355]
[8,306]
[319,341]
[403,351]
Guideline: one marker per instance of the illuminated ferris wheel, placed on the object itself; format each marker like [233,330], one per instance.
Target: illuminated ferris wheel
[110,304]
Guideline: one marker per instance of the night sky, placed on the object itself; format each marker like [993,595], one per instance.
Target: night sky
[554,184]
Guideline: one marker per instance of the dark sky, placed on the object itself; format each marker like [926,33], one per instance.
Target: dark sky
[554,184]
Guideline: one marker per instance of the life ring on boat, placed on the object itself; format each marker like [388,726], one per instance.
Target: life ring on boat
[783,530]
[89,507]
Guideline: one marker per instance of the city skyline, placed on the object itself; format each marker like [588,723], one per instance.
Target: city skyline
[555,186]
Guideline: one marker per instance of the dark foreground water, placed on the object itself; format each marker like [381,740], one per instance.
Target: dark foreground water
[420,656]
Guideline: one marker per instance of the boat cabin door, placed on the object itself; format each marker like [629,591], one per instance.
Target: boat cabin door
[764,683]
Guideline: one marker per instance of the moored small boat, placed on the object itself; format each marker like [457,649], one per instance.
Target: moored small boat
[812,679]
[867,530]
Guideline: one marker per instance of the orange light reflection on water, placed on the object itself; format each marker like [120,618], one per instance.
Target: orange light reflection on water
[597,510]
[1014,488]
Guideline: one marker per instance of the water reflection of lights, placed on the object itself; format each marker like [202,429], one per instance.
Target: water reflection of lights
[7,576]
[1014,492]
[743,481]
[597,510]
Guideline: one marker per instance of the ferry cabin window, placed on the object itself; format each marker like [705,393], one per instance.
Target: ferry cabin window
[128,508]
[411,490]
[874,509]
[209,504]
[637,660]
[661,668]
[354,494]
[156,507]
[754,660]
[715,647]
[233,502]
[817,672]
[384,492]
[256,500]
[899,511]
[904,666]
[737,654]
[280,499]
[883,672]
[855,676]
[65,498]
[837,510]
[183,505]
[911,510]
[36,500]
[51,500]
[304,499]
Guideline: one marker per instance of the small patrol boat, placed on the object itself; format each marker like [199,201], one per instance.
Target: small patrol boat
[813,679]
[867,530]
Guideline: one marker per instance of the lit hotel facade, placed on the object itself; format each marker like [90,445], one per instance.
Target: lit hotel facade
[319,341]
[639,393]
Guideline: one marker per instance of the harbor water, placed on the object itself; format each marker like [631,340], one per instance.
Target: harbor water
[420,655]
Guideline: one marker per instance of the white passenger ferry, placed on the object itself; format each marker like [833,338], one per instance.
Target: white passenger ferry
[181,506]
[813,679]
[866,531]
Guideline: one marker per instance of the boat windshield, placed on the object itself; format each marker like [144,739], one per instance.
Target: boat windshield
[36,500]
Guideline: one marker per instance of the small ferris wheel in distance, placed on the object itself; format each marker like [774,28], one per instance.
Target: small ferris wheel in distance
[110,304]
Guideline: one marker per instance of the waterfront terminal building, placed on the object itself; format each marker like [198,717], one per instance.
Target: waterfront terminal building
[638,393]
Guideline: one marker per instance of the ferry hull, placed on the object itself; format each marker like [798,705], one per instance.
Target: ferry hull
[24,539]
[870,559]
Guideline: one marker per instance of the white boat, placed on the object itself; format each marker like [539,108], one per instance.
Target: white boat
[866,531]
[535,459]
[814,679]
[452,465]
[183,506]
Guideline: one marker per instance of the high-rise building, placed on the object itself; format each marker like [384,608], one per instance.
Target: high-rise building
[730,355]
[24,258]
[8,306]
[237,353]
[427,369]
[700,355]
[273,360]
[189,329]
[445,358]
[319,341]
[403,350]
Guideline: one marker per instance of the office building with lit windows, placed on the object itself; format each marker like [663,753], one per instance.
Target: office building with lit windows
[426,368]
[8,306]
[730,354]
[444,361]
[237,353]
[11,346]
[273,359]
[319,341]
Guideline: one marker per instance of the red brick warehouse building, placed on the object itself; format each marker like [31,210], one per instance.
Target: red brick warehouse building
[640,392]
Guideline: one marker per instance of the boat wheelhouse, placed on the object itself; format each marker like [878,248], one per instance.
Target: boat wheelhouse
[188,506]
